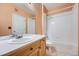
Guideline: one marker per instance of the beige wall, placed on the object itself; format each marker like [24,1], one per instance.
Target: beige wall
[39,17]
[6,11]
[78,29]
[38,21]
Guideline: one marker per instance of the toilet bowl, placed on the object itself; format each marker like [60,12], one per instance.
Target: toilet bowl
[50,43]
[50,49]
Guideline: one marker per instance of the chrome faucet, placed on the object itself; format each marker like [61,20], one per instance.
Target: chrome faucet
[16,35]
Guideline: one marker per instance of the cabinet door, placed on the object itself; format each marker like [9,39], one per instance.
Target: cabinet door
[34,53]
[42,49]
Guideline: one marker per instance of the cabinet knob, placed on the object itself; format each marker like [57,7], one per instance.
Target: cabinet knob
[43,40]
[39,47]
[31,48]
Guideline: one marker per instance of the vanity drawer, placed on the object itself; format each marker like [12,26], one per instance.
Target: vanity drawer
[32,48]
[25,50]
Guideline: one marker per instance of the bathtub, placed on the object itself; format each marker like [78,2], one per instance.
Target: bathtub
[63,48]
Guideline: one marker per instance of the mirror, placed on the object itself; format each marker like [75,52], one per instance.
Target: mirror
[18,24]
[20,18]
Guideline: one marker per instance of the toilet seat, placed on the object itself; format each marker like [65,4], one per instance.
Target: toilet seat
[48,42]
[50,48]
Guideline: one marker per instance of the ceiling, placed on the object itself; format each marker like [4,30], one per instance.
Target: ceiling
[50,6]
[26,7]
[31,10]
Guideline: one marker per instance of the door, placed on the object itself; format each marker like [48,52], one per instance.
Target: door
[18,23]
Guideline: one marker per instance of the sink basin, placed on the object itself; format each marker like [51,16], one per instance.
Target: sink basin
[4,38]
[21,40]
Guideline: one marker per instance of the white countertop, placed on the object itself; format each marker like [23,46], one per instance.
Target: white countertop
[6,47]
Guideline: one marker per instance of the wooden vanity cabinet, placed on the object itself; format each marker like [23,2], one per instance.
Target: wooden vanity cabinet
[37,48]
[42,48]
[35,53]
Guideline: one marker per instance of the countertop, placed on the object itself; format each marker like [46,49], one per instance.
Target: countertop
[6,47]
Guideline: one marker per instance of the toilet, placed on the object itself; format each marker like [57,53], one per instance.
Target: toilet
[50,49]
[50,43]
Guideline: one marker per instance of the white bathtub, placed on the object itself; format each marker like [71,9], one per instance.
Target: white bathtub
[64,48]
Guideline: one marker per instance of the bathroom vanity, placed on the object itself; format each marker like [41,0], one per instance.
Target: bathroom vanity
[34,47]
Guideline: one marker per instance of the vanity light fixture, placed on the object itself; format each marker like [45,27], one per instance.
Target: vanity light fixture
[30,6]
